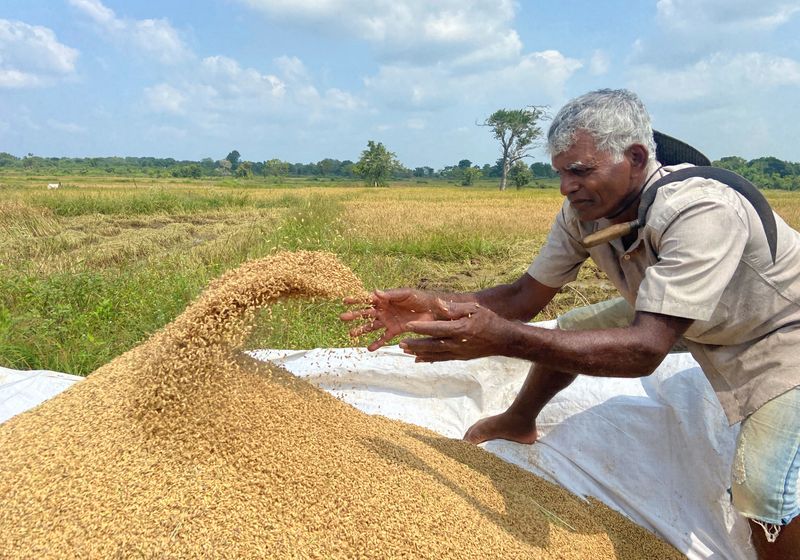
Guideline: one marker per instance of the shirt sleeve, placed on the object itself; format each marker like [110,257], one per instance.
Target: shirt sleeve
[562,255]
[700,248]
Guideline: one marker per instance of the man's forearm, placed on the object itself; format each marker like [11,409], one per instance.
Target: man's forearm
[505,300]
[519,301]
[600,353]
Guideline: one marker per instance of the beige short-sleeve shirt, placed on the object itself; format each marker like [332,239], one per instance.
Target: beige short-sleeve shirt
[702,255]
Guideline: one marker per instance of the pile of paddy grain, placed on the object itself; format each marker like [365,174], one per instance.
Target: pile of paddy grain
[186,448]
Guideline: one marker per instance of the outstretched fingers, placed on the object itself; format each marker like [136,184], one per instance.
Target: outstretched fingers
[380,342]
[366,328]
[366,313]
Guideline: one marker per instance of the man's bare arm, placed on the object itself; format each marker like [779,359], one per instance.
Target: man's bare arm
[474,331]
[520,301]
[634,351]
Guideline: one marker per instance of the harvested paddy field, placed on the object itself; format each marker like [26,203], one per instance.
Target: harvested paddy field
[91,270]
[184,447]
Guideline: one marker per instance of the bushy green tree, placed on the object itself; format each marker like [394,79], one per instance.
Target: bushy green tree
[470,175]
[233,157]
[376,164]
[276,168]
[7,159]
[194,171]
[520,174]
[223,167]
[543,170]
[244,170]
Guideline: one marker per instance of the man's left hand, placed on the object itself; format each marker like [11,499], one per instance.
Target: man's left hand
[469,331]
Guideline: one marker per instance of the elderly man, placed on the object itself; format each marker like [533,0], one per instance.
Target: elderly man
[700,269]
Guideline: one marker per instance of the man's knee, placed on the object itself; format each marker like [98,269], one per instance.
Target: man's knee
[613,313]
[765,483]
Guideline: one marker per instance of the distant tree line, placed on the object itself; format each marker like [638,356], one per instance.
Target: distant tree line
[764,172]
[233,165]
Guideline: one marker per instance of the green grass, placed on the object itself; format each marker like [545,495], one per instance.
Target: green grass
[76,322]
[148,201]
[89,271]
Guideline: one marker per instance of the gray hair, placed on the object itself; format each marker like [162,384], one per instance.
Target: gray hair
[615,118]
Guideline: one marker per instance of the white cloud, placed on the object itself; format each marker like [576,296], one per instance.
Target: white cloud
[292,68]
[463,32]
[98,12]
[337,99]
[717,78]
[233,82]
[31,55]
[155,38]
[713,15]
[160,40]
[433,55]
[13,79]
[220,90]
[687,31]
[536,78]
[165,98]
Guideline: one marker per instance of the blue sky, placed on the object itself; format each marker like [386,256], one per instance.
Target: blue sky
[302,80]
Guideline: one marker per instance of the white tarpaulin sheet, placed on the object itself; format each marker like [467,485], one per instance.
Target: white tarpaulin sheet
[657,449]
[21,390]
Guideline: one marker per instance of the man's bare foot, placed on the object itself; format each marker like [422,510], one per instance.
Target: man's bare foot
[508,425]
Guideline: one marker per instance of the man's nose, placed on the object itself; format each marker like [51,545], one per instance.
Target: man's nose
[569,185]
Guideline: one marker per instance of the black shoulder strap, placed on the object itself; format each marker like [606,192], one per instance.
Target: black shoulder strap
[729,178]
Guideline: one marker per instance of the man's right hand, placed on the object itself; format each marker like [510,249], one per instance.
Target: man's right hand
[391,311]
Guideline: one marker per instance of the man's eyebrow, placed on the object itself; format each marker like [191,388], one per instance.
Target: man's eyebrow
[577,165]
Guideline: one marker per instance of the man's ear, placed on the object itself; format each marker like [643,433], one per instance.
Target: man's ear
[637,155]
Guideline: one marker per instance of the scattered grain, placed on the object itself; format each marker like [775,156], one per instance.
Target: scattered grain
[184,447]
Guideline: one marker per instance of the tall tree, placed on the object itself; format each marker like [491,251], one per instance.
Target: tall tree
[517,130]
[376,164]
[233,157]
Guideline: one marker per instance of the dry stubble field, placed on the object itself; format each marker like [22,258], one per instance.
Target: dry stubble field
[90,270]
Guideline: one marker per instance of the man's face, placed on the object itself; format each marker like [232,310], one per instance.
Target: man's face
[593,183]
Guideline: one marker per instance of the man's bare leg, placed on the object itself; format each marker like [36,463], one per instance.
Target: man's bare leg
[518,422]
[785,547]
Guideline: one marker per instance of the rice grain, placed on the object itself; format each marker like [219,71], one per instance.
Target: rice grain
[184,447]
